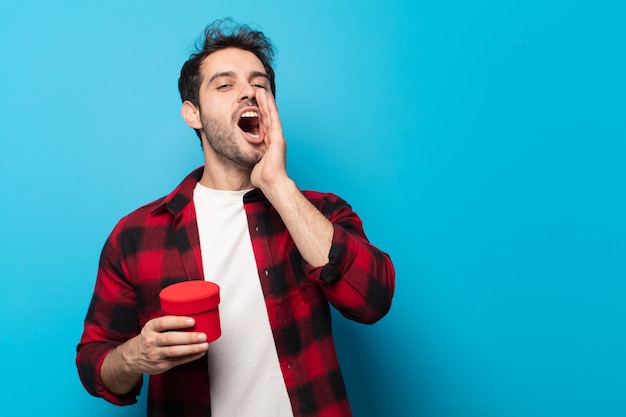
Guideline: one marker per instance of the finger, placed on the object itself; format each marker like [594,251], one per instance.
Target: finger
[263,107]
[174,338]
[169,363]
[183,351]
[269,100]
[168,323]
[269,112]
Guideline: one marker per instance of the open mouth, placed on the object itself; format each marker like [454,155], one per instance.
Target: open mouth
[249,123]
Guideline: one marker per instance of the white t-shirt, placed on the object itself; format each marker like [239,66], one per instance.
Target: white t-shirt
[245,376]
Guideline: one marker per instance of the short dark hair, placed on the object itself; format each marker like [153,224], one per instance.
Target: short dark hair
[222,34]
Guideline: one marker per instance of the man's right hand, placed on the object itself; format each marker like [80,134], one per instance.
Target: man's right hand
[161,345]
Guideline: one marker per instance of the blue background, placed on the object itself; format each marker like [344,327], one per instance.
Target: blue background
[482,142]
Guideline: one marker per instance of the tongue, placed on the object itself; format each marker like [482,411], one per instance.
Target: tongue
[249,125]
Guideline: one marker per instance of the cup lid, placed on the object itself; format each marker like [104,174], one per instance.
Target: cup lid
[189,297]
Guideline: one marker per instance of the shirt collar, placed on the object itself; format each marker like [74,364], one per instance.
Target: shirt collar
[182,195]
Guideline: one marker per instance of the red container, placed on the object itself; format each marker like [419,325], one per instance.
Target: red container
[196,299]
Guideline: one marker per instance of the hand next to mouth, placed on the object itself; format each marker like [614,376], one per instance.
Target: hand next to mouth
[271,170]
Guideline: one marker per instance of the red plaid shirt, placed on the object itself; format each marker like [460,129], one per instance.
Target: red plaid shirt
[158,245]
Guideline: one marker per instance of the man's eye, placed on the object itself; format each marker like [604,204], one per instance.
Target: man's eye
[223,86]
[259,86]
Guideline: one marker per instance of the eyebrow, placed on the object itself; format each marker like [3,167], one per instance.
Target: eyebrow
[254,74]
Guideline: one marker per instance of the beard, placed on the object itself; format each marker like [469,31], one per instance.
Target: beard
[225,140]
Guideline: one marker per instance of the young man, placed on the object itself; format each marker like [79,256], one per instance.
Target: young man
[279,255]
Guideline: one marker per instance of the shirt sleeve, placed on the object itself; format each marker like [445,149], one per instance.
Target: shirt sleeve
[359,279]
[110,321]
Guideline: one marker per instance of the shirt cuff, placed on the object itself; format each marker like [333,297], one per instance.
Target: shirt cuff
[336,266]
[124,399]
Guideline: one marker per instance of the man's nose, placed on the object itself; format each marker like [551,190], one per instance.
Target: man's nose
[247,92]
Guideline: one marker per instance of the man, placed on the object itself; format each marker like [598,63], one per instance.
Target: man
[279,255]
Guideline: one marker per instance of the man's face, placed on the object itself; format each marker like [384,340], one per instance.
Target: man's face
[228,109]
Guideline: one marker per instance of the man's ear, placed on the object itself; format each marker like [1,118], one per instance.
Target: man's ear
[191,115]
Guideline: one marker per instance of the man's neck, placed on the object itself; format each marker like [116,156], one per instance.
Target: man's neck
[224,179]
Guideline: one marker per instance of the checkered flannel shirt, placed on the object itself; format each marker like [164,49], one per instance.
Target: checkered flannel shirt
[158,245]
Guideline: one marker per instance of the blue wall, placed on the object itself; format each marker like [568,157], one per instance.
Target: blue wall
[483,144]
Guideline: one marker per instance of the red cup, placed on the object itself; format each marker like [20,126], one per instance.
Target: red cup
[198,300]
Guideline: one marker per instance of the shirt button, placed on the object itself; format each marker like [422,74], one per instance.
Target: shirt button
[256,228]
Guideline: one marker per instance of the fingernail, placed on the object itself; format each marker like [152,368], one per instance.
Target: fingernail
[202,337]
